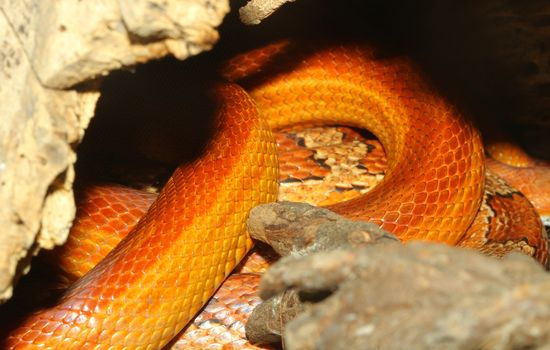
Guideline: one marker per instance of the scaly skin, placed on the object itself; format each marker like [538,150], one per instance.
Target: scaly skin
[525,173]
[435,177]
[158,277]
[143,293]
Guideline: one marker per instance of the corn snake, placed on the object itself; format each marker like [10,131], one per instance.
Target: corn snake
[148,288]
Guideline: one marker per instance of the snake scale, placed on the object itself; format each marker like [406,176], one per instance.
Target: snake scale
[157,278]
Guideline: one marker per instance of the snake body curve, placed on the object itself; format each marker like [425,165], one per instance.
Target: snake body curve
[162,273]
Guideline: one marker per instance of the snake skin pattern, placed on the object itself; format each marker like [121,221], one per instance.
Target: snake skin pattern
[151,285]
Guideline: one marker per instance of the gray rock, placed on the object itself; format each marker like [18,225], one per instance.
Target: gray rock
[390,296]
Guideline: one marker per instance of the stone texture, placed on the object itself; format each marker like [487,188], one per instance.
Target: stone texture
[255,11]
[419,296]
[69,42]
[298,229]
[347,285]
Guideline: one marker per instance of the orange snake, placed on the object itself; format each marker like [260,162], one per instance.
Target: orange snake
[150,286]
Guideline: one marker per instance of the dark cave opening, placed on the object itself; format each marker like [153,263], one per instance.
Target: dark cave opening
[456,45]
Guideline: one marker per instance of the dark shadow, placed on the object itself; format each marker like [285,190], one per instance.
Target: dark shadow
[159,114]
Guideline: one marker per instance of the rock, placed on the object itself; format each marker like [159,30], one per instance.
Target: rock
[255,11]
[350,285]
[418,296]
[298,229]
[266,323]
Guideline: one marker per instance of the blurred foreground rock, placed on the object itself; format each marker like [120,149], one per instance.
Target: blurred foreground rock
[393,296]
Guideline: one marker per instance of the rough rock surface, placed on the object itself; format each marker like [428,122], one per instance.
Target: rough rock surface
[49,53]
[298,229]
[355,288]
[257,10]
[419,296]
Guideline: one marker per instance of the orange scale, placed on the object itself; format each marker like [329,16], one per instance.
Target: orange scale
[431,173]
[100,203]
[391,216]
[419,209]
[406,208]
[31,335]
[400,231]
[441,212]
[94,334]
[461,137]
[84,224]
[455,181]
[444,196]
[89,207]
[388,226]
[393,206]
[431,186]
[430,210]
[79,254]
[452,169]
[443,184]
[462,166]
[416,221]
[115,197]
[128,219]
[458,155]
[118,225]
[98,219]
[419,189]
[108,212]
[404,220]
[448,158]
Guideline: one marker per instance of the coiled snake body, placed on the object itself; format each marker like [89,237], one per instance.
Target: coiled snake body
[147,289]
